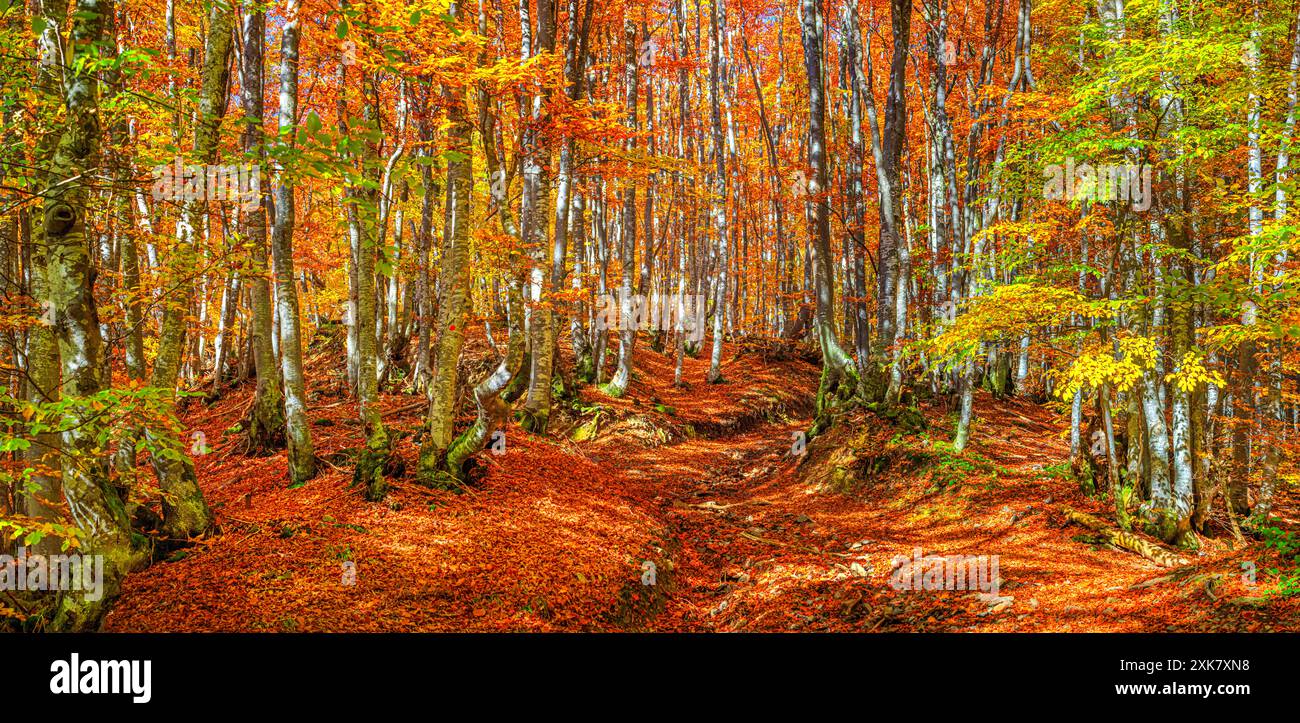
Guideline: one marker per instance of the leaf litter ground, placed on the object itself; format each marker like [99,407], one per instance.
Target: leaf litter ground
[699,487]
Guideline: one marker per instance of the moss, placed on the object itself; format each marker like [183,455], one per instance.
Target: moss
[444,480]
[534,421]
[842,480]
[909,419]
[1163,524]
[1122,502]
[369,471]
[584,369]
[185,511]
[559,390]
[516,388]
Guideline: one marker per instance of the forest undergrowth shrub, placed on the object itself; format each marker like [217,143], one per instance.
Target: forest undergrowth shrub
[36,514]
[1284,545]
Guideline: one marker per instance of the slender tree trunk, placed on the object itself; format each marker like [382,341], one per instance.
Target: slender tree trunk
[617,386]
[265,424]
[372,461]
[887,147]
[839,377]
[185,512]
[231,290]
[302,457]
[718,199]
[421,375]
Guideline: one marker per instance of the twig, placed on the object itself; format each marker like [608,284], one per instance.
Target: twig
[801,548]
[715,507]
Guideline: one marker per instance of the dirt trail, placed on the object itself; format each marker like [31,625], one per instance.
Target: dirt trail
[555,535]
[756,549]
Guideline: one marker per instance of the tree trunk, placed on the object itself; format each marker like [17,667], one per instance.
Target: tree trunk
[265,423]
[302,457]
[839,379]
[617,386]
[371,462]
[185,512]
[95,507]
[453,310]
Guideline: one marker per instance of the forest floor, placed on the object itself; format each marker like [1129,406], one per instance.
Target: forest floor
[697,490]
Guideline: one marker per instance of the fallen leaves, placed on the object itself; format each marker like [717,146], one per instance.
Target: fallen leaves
[557,535]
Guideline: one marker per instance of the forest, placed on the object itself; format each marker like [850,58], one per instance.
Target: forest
[649,315]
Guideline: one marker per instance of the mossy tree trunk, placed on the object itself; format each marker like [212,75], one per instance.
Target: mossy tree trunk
[185,512]
[493,411]
[452,311]
[617,386]
[302,457]
[373,459]
[839,379]
[265,424]
[966,382]
[93,503]
[43,365]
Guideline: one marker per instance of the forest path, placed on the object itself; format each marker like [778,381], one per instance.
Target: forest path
[755,547]
[700,481]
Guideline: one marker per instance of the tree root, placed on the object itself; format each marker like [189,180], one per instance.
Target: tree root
[1125,540]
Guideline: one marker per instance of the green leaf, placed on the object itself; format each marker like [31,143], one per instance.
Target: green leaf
[341,30]
[14,444]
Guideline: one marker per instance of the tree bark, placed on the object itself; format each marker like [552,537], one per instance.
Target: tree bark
[265,423]
[302,457]
[185,512]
